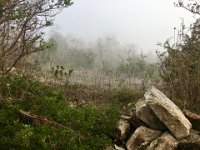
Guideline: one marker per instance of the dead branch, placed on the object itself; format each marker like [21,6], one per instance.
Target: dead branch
[42,120]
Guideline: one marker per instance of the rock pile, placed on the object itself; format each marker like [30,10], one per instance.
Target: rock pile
[157,124]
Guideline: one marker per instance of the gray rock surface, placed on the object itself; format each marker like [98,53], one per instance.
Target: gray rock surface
[168,113]
[123,128]
[141,137]
[144,113]
[165,142]
[135,122]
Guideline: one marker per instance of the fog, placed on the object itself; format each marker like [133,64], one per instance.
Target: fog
[141,23]
[113,41]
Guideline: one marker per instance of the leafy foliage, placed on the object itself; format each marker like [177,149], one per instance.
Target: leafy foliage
[192,6]
[21,23]
[180,69]
[138,67]
[81,58]
[133,65]
[87,127]
[125,95]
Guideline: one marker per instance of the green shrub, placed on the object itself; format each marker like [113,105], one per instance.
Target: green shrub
[180,69]
[87,127]
[125,95]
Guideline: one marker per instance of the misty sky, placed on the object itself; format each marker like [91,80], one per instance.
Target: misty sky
[143,23]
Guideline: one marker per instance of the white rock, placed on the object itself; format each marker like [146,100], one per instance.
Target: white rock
[168,113]
[118,147]
[142,137]
[123,127]
[165,141]
[144,113]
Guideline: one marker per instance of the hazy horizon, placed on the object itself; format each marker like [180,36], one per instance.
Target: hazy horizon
[142,23]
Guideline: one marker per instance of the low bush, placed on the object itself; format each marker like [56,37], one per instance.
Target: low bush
[180,69]
[125,95]
[86,127]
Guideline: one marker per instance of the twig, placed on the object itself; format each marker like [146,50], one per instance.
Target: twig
[44,120]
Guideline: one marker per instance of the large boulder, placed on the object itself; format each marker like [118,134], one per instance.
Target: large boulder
[135,122]
[165,141]
[144,113]
[168,113]
[141,138]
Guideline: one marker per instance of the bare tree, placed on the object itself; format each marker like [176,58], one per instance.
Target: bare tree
[190,5]
[21,22]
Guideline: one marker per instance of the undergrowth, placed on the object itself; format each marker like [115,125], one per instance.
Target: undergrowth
[85,128]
